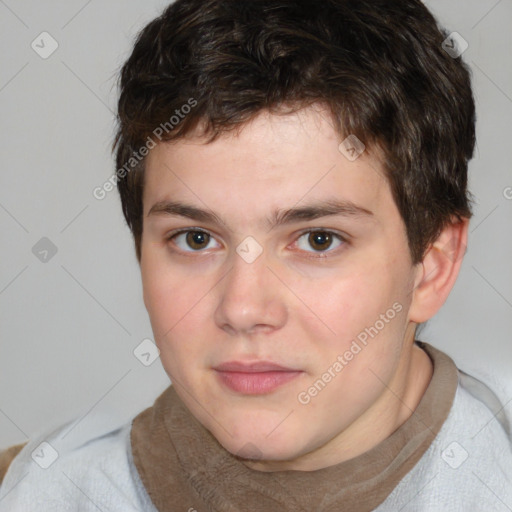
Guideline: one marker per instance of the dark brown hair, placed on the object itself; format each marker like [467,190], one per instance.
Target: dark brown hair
[378,65]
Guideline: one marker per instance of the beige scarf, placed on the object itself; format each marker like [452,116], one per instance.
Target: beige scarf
[183,467]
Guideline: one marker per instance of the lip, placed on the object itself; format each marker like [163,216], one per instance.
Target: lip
[255,367]
[257,378]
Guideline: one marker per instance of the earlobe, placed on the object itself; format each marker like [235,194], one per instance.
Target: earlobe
[438,271]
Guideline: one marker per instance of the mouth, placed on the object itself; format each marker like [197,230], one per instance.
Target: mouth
[257,378]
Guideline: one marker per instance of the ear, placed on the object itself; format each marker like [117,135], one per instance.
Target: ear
[438,271]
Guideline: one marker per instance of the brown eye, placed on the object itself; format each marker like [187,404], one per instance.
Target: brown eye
[191,240]
[319,241]
[197,239]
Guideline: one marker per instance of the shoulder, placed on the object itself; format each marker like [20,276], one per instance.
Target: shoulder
[7,456]
[485,395]
[469,463]
[73,469]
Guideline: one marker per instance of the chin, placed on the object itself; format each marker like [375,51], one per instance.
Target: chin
[258,447]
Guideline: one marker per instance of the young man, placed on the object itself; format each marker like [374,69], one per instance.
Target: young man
[295,178]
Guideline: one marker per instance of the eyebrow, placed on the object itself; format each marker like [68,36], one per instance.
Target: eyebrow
[279,217]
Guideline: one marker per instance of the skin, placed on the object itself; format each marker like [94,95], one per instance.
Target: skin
[207,305]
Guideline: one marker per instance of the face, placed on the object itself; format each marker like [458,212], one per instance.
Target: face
[271,246]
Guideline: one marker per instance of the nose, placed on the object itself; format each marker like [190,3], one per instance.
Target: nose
[251,299]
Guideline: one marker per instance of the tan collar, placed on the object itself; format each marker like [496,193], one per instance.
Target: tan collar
[182,465]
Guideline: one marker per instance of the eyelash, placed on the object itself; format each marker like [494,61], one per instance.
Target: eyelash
[317,255]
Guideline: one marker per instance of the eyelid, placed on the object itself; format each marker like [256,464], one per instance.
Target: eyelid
[343,236]
[178,232]
[324,254]
[317,254]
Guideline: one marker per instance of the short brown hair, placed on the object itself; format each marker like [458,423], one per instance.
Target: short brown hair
[378,65]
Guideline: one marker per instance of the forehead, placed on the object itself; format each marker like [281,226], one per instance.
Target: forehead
[274,161]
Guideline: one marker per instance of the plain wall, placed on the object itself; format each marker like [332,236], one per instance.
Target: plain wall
[68,326]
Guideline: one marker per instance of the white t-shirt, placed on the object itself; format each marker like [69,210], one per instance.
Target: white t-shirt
[468,466]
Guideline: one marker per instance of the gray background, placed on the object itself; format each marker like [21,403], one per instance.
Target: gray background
[68,326]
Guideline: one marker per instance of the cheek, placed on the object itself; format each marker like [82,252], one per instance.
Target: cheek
[364,304]
[178,306]
[172,305]
[349,301]
[368,315]
[168,295]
